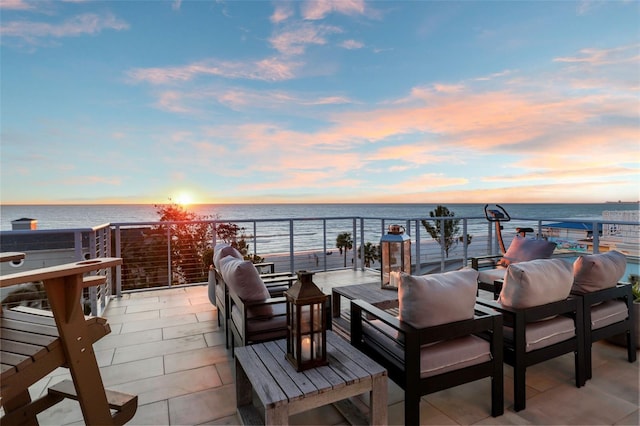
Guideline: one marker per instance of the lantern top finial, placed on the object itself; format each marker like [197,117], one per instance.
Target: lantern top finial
[396,229]
[304,289]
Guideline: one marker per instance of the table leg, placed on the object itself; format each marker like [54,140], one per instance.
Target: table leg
[335,304]
[244,389]
[379,404]
[276,416]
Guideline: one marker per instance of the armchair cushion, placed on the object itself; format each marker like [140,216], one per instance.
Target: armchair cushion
[536,282]
[438,357]
[545,333]
[223,250]
[607,313]
[523,249]
[243,278]
[434,299]
[598,271]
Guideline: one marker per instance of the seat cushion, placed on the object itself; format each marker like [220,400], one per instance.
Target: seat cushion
[536,282]
[541,334]
[434,299]
[607,313]
[223,250]
[454,354]
[435,358]
[490,275]
[598,271]
[523,249]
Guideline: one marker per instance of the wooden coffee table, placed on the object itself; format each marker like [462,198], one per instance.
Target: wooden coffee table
[370,292]
[283,391]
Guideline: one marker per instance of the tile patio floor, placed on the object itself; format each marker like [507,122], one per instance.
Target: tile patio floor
[166,347]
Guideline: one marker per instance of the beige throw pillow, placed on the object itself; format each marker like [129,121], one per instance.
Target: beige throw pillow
[536,282]
[598,271]
[434,299]
[243,278]
[523,249]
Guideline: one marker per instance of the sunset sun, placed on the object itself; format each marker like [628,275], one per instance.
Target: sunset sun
[184,199]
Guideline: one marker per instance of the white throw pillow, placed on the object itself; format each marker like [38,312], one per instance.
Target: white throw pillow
[223,250]
[598,271]
[523,249]
[536,282]
[434,299]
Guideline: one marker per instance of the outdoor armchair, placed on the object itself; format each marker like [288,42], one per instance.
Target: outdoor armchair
[456,342]
[607,303]
[541,320]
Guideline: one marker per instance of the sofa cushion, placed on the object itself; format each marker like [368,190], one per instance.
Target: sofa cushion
[223,250]
[536,282]
[598,271]
[434,299]
[523,249]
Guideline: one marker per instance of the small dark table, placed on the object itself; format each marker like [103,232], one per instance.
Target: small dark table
[370,292]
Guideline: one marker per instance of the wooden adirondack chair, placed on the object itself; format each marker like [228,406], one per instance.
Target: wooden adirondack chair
[36,342]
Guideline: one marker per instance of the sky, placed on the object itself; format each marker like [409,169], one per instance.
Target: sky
[344,101]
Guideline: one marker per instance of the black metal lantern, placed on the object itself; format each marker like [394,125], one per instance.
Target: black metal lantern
[306,324]
[395,247]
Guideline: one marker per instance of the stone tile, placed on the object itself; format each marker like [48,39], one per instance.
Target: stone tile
[232,420]
[153,349]
[187,360]
[128,339]
[173,385]
[209,315]
[465,404]
[131,371]
[127,318]
[149,324]
[632,419]
[326,414]
[567,405]
[204,406]
[153,414]
[187,309]
[164,303]
[189,329]
[226,372]
[216,338]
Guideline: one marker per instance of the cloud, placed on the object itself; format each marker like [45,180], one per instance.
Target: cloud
[294,39]
[318,9]
[281,12]
[352,44]
[16,5]
[268,69]
[88,23]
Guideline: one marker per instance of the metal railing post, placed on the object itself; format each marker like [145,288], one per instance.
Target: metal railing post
[170,274]
[355,246]
[362,244]
[418,248]
[464,242]
[324,243]
[119,267]
[291,251]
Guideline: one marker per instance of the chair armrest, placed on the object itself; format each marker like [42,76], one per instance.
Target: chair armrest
[620,291]
[475,261]
[535,313]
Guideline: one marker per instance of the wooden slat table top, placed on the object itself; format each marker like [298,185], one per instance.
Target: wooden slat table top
[10,256]
[370,292]
[59,271]
[276,381]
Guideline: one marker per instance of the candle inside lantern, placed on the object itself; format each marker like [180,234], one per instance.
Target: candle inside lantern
[306,349]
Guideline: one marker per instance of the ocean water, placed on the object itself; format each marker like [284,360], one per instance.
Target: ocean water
[86,216]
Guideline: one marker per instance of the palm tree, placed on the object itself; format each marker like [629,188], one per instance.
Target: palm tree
[371,253]
[344,241]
